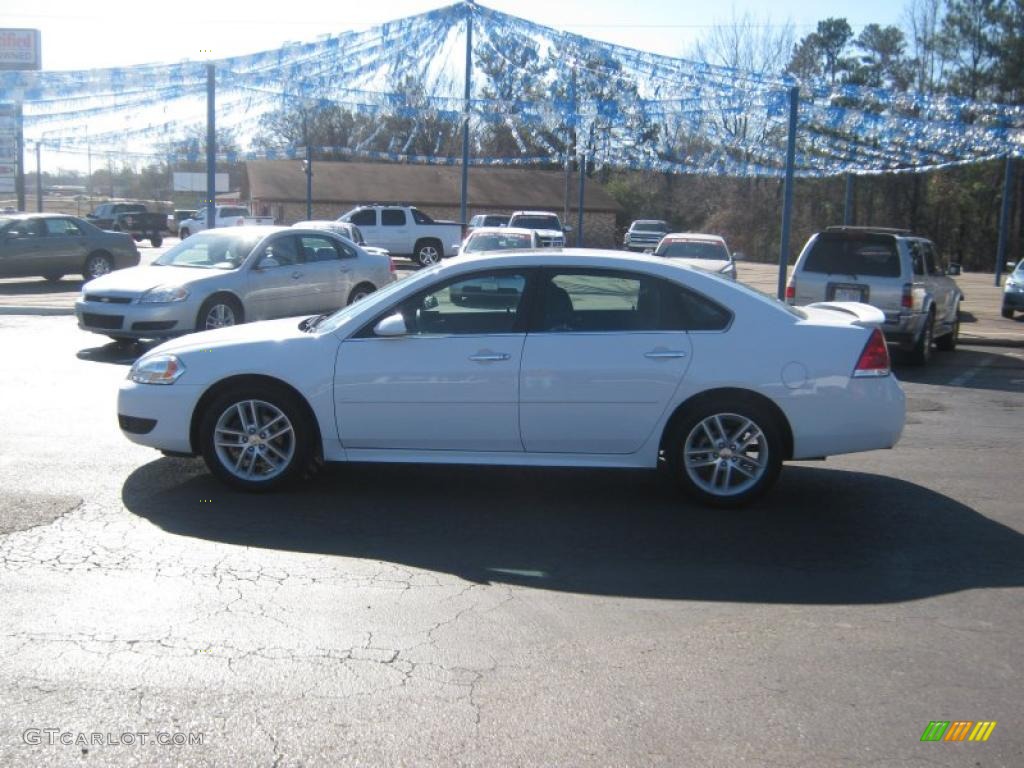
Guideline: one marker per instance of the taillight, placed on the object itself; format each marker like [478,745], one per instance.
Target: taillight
[874,360]
[791,292]
[391,265]
[907,297]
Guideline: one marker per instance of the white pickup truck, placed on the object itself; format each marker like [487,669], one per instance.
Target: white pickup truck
[406,231]
[224,216]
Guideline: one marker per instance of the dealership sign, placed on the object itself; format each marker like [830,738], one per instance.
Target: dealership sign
[20,49]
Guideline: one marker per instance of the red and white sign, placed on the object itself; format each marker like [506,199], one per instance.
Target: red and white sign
[20,49]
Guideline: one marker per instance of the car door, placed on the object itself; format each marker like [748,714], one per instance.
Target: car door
[941,287]
[395,231]
[598,370]
[65,247]
[20,248]
[275,287]
[327,267]
[451,383]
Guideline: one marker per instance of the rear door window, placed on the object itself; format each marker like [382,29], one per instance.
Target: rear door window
[364,218]
[868,255]
[392,217]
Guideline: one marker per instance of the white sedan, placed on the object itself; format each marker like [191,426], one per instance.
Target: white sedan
[585,359]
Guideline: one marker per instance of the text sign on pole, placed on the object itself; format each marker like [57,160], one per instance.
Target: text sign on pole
[196,182]
[8,149]
[20,49]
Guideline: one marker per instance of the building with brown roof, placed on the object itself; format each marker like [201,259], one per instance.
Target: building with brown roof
[278,188]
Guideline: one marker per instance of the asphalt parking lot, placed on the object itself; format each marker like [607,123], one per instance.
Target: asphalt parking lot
[484,616]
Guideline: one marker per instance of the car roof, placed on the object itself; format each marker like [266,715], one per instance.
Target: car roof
[697,236]
[502,231]
[39,215]
[535,213]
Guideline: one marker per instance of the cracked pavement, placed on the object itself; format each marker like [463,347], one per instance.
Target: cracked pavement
[480,616]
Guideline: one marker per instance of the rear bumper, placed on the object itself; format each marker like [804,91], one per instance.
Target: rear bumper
[902,329]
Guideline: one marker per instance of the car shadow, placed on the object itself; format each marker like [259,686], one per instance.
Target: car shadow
[967,368]
[822,537]
[116,352]
[40,287]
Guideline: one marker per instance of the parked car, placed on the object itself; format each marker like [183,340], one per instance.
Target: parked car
[223,277]
[644,234]
[406,231]
[887,268]
[1013,291]
[549,229]
[498,239]
[343,228]
[223,216]
[52,245]
[134,218]
[486,220]
[707,252]
[599,359]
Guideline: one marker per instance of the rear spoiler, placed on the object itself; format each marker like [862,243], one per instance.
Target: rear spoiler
[864,315]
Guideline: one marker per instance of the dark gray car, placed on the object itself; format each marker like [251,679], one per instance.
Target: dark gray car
[52,245]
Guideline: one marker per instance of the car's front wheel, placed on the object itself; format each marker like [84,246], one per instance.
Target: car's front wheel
[97,265]
[257,438]
[1007,313]
[219,312]
[429,253]
[725,452]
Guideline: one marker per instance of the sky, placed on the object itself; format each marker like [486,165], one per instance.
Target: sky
[83,35]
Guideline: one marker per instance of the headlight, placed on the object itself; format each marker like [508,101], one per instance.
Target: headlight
[164,294]
[159,369]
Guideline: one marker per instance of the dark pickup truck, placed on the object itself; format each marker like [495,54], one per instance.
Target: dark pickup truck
[132,218]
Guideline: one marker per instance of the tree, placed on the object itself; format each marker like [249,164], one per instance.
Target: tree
[821,52]
[928,59]
[969,40]
[883,62]
[1009,39]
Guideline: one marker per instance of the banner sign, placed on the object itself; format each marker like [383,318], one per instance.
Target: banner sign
[20,49]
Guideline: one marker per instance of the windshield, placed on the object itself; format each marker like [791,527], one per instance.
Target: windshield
[497,242]
[536,222]
[212,250]
[693,249]
[372,302]
[861,254]
[649,226]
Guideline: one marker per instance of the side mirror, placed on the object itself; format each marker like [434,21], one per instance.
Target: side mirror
[391,326]
[739,256]
[430,302]
[953,269]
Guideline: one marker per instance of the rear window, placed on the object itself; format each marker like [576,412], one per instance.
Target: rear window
[692,249]
[649,226]
[536,222]
[225,212]
[838,254]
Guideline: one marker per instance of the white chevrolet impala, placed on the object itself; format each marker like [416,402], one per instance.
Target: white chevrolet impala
[545,358]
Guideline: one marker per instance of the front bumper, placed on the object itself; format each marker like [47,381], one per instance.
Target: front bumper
[136,321]
[157,416]
[1013,299]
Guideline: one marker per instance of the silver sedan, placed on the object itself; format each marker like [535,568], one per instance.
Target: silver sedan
[227,276]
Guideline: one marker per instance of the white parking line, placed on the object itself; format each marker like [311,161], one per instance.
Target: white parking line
[969,374]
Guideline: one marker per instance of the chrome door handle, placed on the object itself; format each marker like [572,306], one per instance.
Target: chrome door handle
[667,354]
[296,275]
[490,357]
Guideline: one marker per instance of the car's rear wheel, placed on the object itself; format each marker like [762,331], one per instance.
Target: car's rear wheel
[428,253]
[725,452]
[921,354]
[361,291]
[183,233]
[97,265]
[257,438]
[219,312]
[948,342]
[1007,313]
[156,241]
[53,277]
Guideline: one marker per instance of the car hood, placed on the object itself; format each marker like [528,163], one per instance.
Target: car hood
[549,233]
[142,279]
[263,332]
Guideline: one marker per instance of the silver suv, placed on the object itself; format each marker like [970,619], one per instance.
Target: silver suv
[890,269]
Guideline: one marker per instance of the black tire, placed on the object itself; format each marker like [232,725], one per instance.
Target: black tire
[921,354]
[156,241]
[361,291]
[948,342]
[123,341]
[53,277]
[223,306]
[260,462]
[756,466]
[1007,313]
[429,253]
[183,233]
[97,265]
[137,238]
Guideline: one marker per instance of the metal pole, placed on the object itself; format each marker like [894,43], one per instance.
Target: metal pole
[211,146]
[39,179]
[787,194]
[19,150]
[1004,219]
[579,202]
[569,144]
[465,116]
[848,206]
[309,180]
